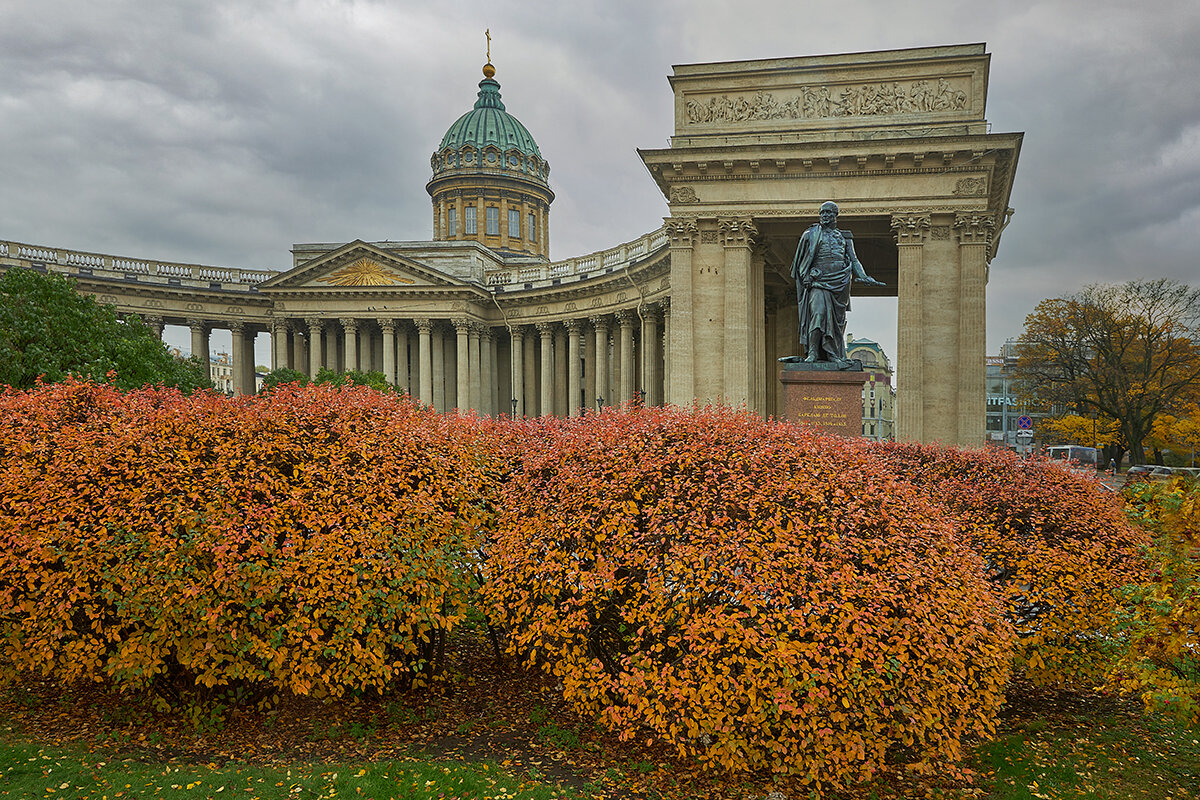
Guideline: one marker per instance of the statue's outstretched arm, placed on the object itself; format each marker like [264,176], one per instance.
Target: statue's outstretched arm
[860,274]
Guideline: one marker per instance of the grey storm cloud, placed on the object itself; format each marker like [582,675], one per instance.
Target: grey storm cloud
[223,131]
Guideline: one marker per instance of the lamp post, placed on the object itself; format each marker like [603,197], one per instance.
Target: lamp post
[599,403]
[514,405]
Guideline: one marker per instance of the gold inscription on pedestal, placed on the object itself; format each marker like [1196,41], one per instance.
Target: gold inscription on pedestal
[822,410]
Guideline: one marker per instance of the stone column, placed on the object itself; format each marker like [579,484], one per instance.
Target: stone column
[517,365]
[531,376]
[589,360]
[425,361]
[475,369]
[625,320]
[562,403]
[279,343]
[665,305]
[493,391]
[574,371]
[403,368]
[350,328]
[910,232]
[546,407]
[487,370]
[315,345]
[388,326]
[238,356]
[249,381]
[603,395]
[438,367]
[650,357]
[155,323]
[200,341]
[974,239]
[683,233]
[743,312]
[299,346]
[462,359]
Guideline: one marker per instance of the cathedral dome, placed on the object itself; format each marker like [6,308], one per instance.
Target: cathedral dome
[488,137]
[488,123]
[490,183]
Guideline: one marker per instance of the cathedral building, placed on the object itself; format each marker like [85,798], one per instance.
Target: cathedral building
[699,309]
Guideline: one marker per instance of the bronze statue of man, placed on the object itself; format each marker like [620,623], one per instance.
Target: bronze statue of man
[824,267]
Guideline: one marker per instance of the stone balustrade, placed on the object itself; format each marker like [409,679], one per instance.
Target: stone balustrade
[120,267]
[610,260]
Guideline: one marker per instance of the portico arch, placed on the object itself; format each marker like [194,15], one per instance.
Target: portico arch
[899,140]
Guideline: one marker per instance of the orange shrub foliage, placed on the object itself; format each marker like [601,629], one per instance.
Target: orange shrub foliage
[309,540]
[1057,547]
[753,594]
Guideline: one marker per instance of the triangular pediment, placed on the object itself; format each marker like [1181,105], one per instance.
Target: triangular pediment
[359,266]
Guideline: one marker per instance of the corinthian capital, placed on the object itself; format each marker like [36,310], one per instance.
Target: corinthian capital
[975,228]
[737,231]
[910,228]
[682,230]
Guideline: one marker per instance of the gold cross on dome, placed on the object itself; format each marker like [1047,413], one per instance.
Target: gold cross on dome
[488,34]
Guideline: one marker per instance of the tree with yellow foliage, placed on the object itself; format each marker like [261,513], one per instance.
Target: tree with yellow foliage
[1128,351]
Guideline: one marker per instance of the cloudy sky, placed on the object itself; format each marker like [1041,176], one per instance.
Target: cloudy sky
[223,131]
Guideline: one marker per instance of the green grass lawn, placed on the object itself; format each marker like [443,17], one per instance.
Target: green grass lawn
[513,741]
[1087,746]
[33,771]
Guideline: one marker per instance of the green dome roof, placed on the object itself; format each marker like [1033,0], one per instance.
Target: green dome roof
[489,124]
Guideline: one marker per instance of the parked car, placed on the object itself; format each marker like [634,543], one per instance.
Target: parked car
[1164,473]
[1139,469]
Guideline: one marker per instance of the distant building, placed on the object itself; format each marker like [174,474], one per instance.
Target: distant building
[879,394]
[220,372]
[1004,405]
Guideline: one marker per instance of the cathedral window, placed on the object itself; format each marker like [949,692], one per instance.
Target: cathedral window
[452,222]
[493,221]
[514,223]
[470,220]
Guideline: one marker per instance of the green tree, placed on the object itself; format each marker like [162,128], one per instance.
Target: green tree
[284,375]
[49,330]
[1129,351]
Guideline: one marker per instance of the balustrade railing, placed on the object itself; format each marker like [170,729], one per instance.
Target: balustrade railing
[613,258]
[133,266]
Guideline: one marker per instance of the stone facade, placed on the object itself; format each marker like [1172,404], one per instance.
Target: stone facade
[699,309]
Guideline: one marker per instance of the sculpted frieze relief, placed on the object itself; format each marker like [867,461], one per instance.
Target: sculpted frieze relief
[683,194]
[970,187]
[825,101]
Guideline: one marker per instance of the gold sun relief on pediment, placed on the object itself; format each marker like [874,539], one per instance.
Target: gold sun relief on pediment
[363,272]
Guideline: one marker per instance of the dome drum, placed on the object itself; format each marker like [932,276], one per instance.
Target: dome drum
[490,183]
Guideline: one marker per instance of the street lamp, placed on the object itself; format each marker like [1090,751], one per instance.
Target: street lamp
[599,403]
[514,404]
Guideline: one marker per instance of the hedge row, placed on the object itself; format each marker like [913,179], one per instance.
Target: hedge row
[303,541]
[1057,549]
[752,594]
[755,595]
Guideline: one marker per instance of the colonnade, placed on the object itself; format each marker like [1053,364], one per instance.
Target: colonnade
[241,353]
[553,367]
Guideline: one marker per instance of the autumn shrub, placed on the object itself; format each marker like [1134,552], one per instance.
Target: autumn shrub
[757,596]
[310,540]
[1057,547]
[1159,626]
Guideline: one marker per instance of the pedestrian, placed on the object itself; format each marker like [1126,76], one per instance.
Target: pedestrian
[1112,466]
